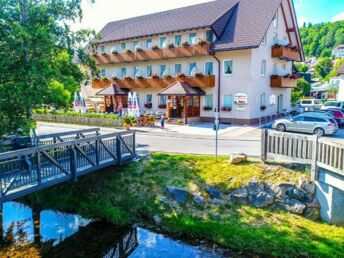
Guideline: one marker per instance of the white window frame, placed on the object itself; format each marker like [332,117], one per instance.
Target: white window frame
[224,72]
[212,100]
[175,70]
[190,70]
[146,100]
[205,66]
[263,68]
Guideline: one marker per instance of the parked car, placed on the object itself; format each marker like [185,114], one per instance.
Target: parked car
[333,105]
[316,124]
[336,114]
[309,104]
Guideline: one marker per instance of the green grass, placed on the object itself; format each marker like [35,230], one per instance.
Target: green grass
[131,194]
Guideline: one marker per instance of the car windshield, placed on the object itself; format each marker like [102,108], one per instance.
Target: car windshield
[333,104]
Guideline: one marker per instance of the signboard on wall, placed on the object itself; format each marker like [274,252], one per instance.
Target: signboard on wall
[240,99]
[241,107]
[273,100]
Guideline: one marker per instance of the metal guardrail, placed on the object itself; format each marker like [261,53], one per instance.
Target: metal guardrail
[29,170]
[304,149]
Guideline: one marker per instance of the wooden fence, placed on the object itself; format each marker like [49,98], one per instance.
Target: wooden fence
[28,170]
[82,120]
[304,149]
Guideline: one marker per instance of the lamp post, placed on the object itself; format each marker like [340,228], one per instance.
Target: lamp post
[216,128]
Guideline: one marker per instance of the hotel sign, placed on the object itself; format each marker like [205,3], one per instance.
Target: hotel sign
[240,99]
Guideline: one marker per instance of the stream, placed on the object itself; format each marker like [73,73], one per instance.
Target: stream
[58,234]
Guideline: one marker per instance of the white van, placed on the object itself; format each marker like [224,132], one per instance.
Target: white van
[333,105]
[309,104]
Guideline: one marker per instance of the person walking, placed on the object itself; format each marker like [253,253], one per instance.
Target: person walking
[162,122]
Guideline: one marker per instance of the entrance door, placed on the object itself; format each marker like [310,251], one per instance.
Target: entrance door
[177,107]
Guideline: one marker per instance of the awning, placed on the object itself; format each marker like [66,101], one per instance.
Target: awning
[113,90]
[181,89]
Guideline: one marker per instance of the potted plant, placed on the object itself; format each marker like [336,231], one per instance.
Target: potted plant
[127,51]
[138,49]
[127,122]
[114,78]
[170,45]
[148,105]
[167,76]
[127,77]
[94,54]
[199,74]
[154,76]
[263,108]
[181,75]
[114,52]
[155,47]
[104,53]
[95,78]
[206,108]
[133,122]
[139,77]
[162,106]
[104,78]
[185,44]
[226,109]
[201,42]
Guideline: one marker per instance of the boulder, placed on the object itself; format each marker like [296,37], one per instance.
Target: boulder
[254,187]
[236,158]
[313,204]
[217,202]
[282,189]
[261,200]
[240,195]
[199,200]
[307,185]
[168,202]
[293,205]
[298,194]
[181,195]
[157,220]
[312,213]
[214,192]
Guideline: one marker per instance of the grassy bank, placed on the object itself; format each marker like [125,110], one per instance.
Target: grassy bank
[131,194]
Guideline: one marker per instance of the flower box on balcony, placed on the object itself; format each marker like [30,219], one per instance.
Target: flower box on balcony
[289,81]
[114,78]
[138,49]
[201,42]
[114,52]
[104,54]
[155,76]
[263,108]
[226,109]
[167,76]
[285,52]
[139,77]
[127,51]
[206,108]
[148,105]
[181,75]
[185,44]
[155,47]
[127,77]
[199,74]
[170,45]
[162,106]
[104,78]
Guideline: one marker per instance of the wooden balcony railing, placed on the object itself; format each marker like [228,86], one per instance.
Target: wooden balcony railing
[283,82]
[146,55]
[287,53]
[148,83]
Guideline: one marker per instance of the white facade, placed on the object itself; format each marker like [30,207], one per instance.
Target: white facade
[338,51]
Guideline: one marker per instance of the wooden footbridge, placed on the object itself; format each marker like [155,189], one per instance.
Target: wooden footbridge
[61,157]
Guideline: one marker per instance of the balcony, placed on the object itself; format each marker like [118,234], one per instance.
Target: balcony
[285,52]
[146,55]
[159,83]
[283,82]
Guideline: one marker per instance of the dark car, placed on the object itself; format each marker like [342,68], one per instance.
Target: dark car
[337,114]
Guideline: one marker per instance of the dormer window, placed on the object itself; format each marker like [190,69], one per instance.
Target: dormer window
[210,36]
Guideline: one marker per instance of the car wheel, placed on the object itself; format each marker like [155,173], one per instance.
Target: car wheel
[281,128]
[319,131]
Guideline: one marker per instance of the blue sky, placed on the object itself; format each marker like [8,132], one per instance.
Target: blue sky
[103,11]
[316,11]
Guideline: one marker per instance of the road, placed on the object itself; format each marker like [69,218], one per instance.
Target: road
[246,141]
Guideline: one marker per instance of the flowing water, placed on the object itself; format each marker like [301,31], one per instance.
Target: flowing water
[56,234]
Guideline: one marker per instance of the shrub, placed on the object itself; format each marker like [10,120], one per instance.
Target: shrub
[170,45]
[185,44]
[155,47]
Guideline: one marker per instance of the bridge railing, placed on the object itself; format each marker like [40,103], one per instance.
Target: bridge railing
[304,149]
[28,170]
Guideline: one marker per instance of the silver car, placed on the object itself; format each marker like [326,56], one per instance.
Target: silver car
[319,125]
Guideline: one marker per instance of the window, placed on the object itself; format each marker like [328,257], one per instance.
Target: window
[137,71]
[284,67]
[208,68]
[227,101]
[275,38]
[209,36]
[321,120]
[123,72]
[263,68]
[122,47]
[177,68]
[149,43]
[228,67]
[135,45]
[276,20]
[149,70]
[274,69]
[102,49]
[102,72]
[177,40]
[308,119]
[208,101]
[262,100]
[163,70]
[149,98]
[192,68]
[162,100]
[298,118]
[192,38]
[163,42]
[264,40]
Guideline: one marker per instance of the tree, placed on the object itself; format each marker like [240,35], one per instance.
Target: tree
[302,89]
[57,95]
[36,47]
[301,67]
[336,66]
[323,67]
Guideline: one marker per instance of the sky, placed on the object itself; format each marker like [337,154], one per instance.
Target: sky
[96,15]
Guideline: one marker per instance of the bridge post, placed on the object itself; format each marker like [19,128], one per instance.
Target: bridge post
[264,146]
[39,175]
[97,152]
[134,142]
[73,164]
[314,165]
[119,150]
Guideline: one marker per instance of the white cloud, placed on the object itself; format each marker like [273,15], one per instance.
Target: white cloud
[339,17]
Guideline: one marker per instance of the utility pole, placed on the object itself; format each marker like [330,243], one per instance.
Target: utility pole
[216,128]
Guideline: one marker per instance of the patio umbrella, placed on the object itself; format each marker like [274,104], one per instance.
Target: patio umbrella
[76,102]
[136,108]
[130,104]
[83,103]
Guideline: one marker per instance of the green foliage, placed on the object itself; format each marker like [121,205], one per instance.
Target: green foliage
[301,67]
[336,66]
[130,194]
[319,40]
[323,68]
[57,95]
[75,114]
[36,48]
[302,89]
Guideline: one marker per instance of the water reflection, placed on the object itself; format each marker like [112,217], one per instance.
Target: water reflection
[58,234]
